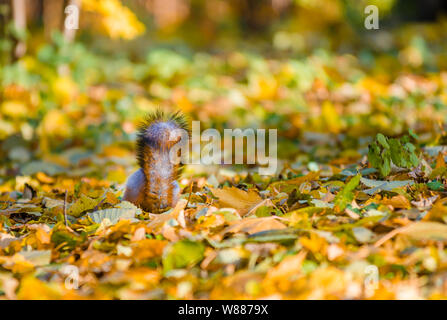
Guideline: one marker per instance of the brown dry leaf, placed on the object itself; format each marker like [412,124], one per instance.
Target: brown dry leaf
[252,225]
[398,201]
[440,162]
[242,201]
[158,220]
[292,183]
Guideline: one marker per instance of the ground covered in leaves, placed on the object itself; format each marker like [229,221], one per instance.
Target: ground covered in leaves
[357,208]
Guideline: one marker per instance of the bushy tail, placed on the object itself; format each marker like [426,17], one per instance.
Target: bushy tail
[153,146]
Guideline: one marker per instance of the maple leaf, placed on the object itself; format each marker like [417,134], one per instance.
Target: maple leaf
[244,202]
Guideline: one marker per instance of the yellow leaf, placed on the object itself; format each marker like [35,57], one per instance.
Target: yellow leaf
[115,151]
[289,266]
[330,280]
[331,117]
[81,205]
[65,89]
[281,277]
[440,162]
[252,225]
[42,177]
[14,109]
[238,199]
[437,212]
[117,20]
[263,87]
[398,201]
[314,244]
[56,123]
[118,175]
[289,185]
[35,289]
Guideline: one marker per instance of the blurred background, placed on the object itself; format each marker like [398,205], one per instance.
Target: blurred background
[70,98]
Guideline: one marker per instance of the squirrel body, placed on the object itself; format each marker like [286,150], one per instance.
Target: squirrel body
[154,186]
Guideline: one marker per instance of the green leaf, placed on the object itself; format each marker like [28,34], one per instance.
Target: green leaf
[383,140]
[273,235]
[383,151]
[263,211]
[60,235]
[184,253]
[396,152]
[374,155]
[385,169]
[435,185]
[81,205]
[413,134]
[346,195]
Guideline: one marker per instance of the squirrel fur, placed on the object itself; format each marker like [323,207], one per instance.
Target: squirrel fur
[154,186]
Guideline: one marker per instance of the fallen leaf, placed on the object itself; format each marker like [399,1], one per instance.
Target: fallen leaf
[399,201]
[252,225]
[243,201]
[158,220]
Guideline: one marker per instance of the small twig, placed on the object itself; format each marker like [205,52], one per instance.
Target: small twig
[65,208]
[100,202]
[388,236]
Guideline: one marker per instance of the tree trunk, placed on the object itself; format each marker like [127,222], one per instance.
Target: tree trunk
[52,16]
[19,17]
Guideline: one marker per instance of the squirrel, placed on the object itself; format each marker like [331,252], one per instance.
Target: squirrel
[154,187]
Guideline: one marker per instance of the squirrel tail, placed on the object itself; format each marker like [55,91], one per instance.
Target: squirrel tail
[154,143]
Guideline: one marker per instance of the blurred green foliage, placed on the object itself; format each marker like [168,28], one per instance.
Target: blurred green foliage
[325,80]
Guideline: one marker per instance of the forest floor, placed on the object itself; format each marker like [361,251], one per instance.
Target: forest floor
[349,215]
